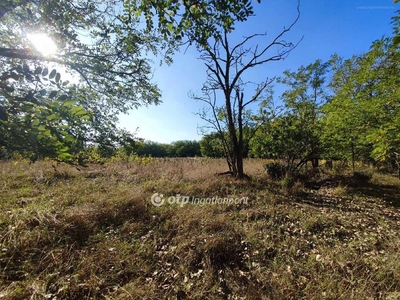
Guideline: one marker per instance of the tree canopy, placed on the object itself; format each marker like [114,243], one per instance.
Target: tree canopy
[63,100]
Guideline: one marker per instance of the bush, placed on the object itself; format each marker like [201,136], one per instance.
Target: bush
[288,182]
[275,170]
[362,177]
[4,154]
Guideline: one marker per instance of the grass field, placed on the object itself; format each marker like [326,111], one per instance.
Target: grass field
[95,234]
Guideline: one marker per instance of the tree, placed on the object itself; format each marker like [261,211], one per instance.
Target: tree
[367,102]
[211,145]
[98,46]
[153,149]
[184,149]
[343,122]
[307,92]
[190,22]
[112,62]
[366,97]
[226,66]
[287,137]
[207,24]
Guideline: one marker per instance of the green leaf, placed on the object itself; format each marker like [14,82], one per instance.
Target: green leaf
[38,70]
[52,74]
[52,117]
[63,97]
[53,94]
[64,156]
[68,103]
[63,150]
[42,92]
[58,77]
[45,72]
[77,108]
[46,133]
[26,68]
[19,69]
[81,113]
[69,138]
[78,111]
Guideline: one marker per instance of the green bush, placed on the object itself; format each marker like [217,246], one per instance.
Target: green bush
[288,181]
[275,170]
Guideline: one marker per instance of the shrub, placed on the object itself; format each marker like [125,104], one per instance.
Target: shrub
[362,177]
[4,154]
[288,182]
[275,170]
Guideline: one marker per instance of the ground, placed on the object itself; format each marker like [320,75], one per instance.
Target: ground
[94,233]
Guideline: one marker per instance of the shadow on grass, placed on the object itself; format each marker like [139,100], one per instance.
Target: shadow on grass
[355,187]
[390,194]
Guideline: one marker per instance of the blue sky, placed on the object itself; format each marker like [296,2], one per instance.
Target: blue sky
[328,27]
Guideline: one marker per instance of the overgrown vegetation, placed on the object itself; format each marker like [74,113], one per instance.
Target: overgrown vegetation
[341,109]
[94,234]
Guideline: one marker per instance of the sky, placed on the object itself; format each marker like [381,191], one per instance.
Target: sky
[327,27]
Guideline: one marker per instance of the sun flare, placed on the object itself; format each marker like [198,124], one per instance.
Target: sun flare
[42,43]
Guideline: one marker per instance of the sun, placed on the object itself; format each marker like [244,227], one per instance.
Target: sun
[42,43]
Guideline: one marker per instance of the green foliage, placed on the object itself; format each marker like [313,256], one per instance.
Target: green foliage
[275,170]
[364,115]
[357,120]
[112,63]
[197,21]
[152,149]
[39,122]
[288,181]
[211,145]
[184,149]
[294,135]
[42,115]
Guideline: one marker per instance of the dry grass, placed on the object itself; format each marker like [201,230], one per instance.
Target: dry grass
[94,234]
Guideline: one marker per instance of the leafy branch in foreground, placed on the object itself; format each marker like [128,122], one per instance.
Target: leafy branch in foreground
[102,55]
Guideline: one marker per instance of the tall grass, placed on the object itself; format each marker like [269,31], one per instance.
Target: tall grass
[94,234]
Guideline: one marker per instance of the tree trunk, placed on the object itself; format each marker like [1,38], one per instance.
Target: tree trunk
[353,156]
[315,162]
[397,160]
[239,154]
[240,170]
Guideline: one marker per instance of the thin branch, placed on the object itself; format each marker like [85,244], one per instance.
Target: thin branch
[259,91]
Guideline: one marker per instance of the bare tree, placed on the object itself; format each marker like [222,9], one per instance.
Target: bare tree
[247,125]
[226,66]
